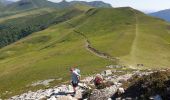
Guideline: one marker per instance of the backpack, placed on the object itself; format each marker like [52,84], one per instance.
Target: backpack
[98,80]
[78,71]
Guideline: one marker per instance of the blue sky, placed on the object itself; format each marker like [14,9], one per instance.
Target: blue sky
[143,5]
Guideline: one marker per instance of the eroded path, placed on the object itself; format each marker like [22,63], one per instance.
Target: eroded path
[91,49]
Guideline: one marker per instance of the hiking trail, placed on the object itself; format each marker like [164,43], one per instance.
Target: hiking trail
[134,44]
[91,49]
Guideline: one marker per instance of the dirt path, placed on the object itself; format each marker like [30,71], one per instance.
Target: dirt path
[91,49]
[134,45]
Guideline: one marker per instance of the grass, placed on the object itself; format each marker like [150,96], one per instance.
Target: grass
[151,48]
[27,63]
[27,13]
[50,53]
[116,35]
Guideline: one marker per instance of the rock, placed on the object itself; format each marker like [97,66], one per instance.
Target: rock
[103,94]
[78,94]
[118,98]
[121,90]
[128,98]
[63,92]
[66,98]
[84,86]
[107,73]
[110,66]
[96,95]
[122,80]
[88,80]
[114,66]
[52,98]
[70,89]
[117,84]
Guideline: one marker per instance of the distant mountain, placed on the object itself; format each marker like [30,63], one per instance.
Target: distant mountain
[32,4]
[5,2]
[93,3]
[164,14]
[97,4]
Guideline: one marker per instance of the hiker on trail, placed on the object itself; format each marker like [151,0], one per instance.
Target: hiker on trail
[75,78]
[98,81]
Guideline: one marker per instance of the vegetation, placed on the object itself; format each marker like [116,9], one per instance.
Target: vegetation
[14,29]
[130,35]
[23,5]
[125,33]
[144,87]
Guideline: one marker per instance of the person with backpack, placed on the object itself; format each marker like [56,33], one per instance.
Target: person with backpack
[75,78]
[98,81]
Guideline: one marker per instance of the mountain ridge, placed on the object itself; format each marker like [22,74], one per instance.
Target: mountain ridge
[31,4]
[163,14]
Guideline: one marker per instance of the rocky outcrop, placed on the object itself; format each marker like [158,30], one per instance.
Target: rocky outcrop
[86,87]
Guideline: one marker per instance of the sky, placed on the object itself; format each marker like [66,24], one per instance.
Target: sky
[143,5]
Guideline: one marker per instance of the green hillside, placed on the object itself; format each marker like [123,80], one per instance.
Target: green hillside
[29,4]
[130,35]
[17,26]
[123,33]
[22,5]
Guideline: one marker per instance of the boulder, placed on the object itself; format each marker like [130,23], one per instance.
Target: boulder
[121,90]
[78,94]
[103,94]
[107,73]
[70,89]
[65,98]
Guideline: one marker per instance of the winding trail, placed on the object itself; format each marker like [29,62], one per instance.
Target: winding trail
[91,49]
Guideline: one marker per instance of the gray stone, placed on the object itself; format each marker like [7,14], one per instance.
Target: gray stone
[107,73]
[66,98]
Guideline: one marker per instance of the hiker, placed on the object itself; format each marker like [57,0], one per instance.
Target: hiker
[75,78]
[98,81]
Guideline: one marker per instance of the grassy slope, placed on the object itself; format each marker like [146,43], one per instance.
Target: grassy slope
[50,53]
[29,12]
[152,43]
[26,62]
[130,35]
[43,55]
